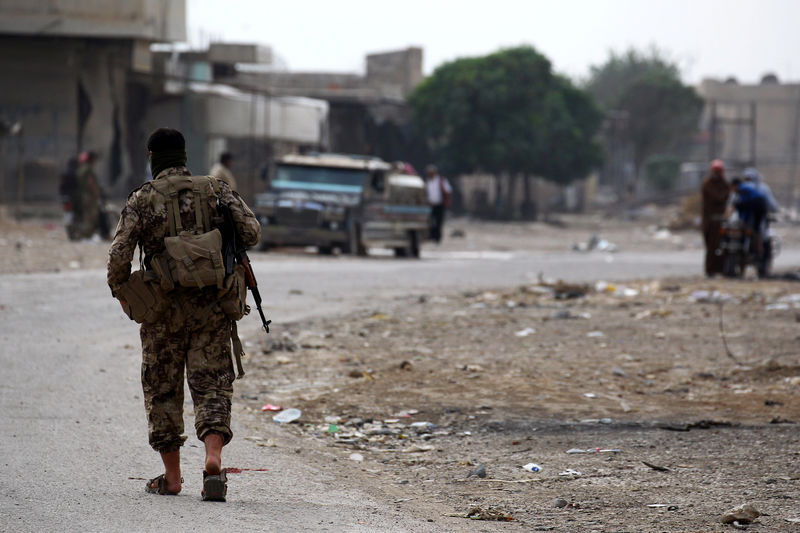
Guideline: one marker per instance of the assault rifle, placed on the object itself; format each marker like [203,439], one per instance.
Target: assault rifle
[234,251]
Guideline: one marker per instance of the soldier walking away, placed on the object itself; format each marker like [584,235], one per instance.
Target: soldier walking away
[182,297]
[222,170]
[715,190]
[439,193]
[68,190]
[88,195]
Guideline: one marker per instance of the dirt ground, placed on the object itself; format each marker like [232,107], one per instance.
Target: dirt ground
[429,388]
[652,405]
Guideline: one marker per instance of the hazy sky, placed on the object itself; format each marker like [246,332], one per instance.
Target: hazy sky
[708,38]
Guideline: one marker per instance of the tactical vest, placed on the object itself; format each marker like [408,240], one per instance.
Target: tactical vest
[190,259]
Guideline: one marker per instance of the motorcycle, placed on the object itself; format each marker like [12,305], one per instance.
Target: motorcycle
[739,249]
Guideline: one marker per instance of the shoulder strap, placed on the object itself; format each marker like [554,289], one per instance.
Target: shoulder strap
[171,186]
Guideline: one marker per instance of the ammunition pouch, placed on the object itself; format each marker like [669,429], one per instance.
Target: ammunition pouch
[192,261]
[143,297]
[233,295]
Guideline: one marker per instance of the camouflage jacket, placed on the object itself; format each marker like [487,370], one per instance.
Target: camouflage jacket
[141,223]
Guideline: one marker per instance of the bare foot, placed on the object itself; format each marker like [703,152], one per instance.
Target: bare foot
[173,485]
[213,442]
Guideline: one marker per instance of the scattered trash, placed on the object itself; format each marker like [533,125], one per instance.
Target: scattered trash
[777,307]
[566,314]
[743,514]
[356,457]
[287,416]
[657,313]
[471,368]
[656,467]
[270,407]
[532,467]
[595,242]
[406,365]
[525,332]
[662,235]
[617,371]
[282,360]
[593,450]
[74,264]
[418,449]
[589,395]
[405,414]
[332,428]
[709,297]
[569,472]
[657,505]
[333,419]
[595,334]
[479,471]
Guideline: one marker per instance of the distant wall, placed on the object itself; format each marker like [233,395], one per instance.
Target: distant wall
[777,130]
[153,20]
[69,95]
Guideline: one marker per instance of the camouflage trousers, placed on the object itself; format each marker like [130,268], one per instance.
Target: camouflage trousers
[195,336]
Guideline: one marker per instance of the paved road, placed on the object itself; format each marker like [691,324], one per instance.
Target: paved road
[71,412]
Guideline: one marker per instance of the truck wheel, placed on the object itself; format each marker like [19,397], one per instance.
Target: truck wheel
[354,245]
[413,244]
[765,262]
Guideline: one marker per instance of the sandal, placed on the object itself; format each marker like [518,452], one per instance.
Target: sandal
[158,485]
[214,487]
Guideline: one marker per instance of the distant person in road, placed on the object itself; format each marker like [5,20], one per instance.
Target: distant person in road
[68,190]
[439,194]
[222,170]
[186,325]
[715,191]
[88,196]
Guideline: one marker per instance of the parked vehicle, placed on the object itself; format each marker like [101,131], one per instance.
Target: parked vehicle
[343,201]
[738,249]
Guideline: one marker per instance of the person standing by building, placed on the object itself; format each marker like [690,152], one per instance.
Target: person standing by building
[187,328]
[68,189]
[715,190]
[439,193]
[222,170]
[88,196]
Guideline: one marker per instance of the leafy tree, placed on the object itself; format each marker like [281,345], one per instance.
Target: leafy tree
[507,114]
[658,110]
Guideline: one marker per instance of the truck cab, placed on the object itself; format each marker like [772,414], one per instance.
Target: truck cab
[343,201]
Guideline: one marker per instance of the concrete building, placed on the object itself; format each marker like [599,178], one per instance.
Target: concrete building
[252,123]
[368,113]
[69,77]
[756,125]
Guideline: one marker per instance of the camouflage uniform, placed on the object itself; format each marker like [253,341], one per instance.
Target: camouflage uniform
[194,332]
